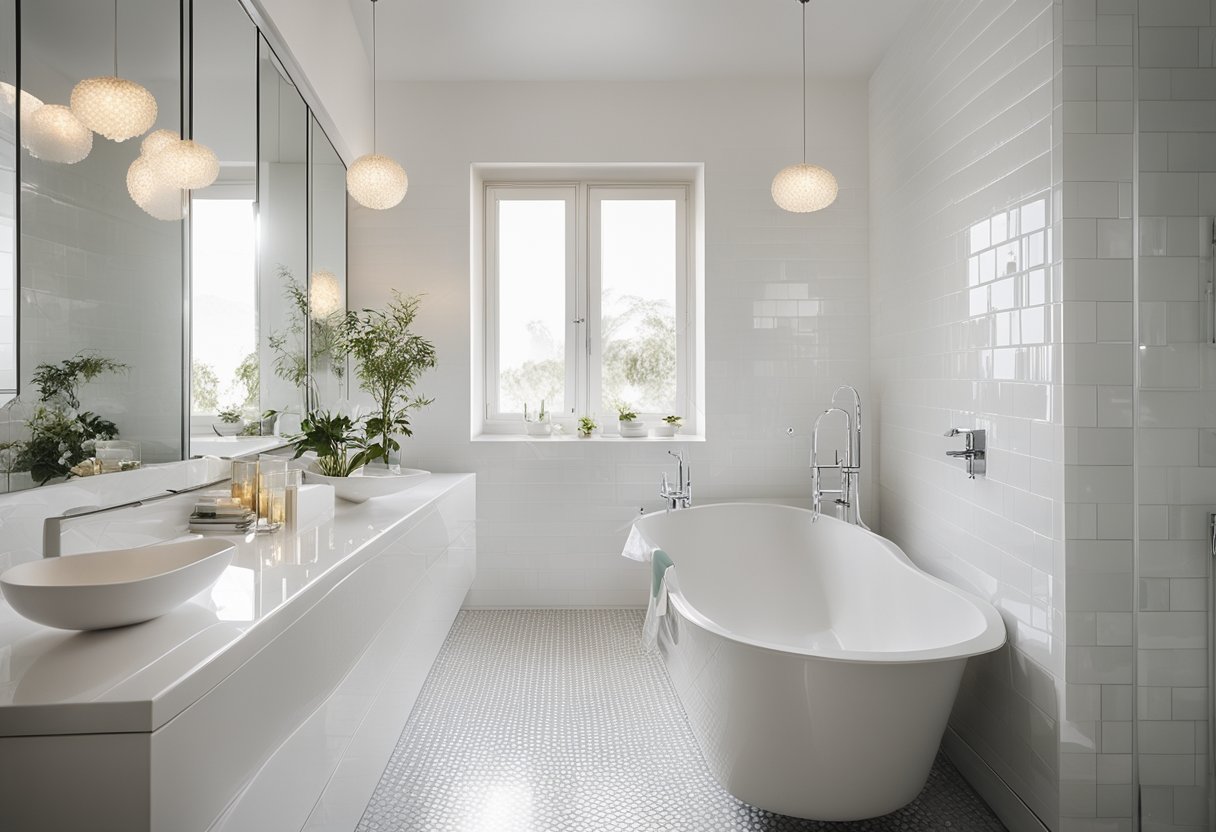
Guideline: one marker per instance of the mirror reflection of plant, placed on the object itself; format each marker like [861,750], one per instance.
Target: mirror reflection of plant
[59,439]
[290,361]
[333,437]
[61,382]
[60,436]
[389,361]
[247,381]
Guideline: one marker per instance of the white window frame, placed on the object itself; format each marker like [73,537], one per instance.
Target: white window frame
[583,281]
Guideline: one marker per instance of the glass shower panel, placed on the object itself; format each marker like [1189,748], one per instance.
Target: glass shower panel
[1175,420]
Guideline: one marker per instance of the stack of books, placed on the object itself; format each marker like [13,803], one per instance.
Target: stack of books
[221,514]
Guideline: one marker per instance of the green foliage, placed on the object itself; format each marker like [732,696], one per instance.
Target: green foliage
[586,425]
[625,414]
[674,421]
[389,361]
[333,437]
[60,383]
[249,380]
[204,388]
[59,439]
[229,415]
[291,362]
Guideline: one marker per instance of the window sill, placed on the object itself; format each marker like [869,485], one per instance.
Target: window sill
[612,439]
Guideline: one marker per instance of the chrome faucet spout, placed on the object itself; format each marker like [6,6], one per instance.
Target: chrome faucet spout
[681,495]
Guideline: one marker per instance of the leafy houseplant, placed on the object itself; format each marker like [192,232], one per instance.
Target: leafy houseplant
[586,426]
[628,421]
[389,361]
[670,427]
[61,437]
[539,425]
[333,437]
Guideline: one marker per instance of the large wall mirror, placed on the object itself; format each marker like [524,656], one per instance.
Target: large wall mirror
[327,266]
[94,345]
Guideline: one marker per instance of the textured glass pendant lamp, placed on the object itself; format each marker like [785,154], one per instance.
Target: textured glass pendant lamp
[376,181]
[145,185]
[112,106]
[803,188]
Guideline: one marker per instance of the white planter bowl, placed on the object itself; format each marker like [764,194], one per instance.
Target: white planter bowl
[100,590]
[538,428]
[635,429]
[227,428]
[665,429]
[364,485]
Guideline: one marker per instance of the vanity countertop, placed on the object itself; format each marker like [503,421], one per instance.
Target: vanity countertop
[137,678]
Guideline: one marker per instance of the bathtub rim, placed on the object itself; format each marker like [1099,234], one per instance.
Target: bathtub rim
[991,638]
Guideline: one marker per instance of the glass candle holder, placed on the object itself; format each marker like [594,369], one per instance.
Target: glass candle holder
[245,483]
[112,455]
[272,487]
[294,481]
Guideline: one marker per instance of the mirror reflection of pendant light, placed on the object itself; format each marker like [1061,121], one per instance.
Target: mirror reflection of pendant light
[186,164]
[145,185]
[112,106]
[324,294]
[803,188]
[55,135]
[376,181]
[9,96]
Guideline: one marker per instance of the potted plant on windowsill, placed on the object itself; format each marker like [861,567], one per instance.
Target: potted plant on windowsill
[586,427]
[628,422]
[670,426]
[538,424]
[231,422]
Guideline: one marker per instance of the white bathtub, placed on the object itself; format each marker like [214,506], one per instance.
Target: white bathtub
[816,664]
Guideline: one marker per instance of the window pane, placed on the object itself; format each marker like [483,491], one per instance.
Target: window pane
[531,304]
[225,371]
[638,313]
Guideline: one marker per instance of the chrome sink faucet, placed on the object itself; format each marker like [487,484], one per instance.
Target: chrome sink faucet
[848,495]
[681,496]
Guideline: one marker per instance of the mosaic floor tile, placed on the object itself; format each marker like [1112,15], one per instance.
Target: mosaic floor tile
[556,721]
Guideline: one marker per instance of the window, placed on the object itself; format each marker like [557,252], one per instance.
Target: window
[224,306]
[588,302]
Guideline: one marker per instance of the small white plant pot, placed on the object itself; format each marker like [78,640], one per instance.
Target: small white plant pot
[538,428]
[585,434]
[666,430]
[228,428]
[634,429]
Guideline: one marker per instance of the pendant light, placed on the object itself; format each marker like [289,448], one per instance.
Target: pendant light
[376,181]
[14,102]
[324,294]
[54,134]
[144,184]
[114,107]
[803,188]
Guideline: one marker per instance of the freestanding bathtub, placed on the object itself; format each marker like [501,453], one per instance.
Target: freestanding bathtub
[816,663]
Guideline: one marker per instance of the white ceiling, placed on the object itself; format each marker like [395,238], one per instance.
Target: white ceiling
[623,40]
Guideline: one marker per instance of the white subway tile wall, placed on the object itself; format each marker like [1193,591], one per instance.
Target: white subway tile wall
[1176,414]
[968,325]
[786,301]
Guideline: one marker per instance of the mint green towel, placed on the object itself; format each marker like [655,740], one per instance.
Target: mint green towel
[659,561]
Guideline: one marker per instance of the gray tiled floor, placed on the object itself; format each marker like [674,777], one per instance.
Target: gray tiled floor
[538,720]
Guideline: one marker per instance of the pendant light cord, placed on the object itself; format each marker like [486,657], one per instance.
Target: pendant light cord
[115,38]
[804,4]
[373,76]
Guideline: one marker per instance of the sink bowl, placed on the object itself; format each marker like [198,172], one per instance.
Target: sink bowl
[364,485]
[100,590]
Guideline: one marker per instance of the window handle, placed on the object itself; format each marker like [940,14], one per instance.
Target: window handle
[579,321]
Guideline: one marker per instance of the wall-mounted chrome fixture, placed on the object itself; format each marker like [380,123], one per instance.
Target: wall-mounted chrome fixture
[680,497]
[848,499]
[975,451]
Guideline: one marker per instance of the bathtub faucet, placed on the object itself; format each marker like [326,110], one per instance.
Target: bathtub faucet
[848,495]
[680,497]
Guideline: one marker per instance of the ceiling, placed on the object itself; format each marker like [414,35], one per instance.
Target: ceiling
[628,40]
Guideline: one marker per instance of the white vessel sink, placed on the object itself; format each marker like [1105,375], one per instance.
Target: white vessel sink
[99,590]
[363,485]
